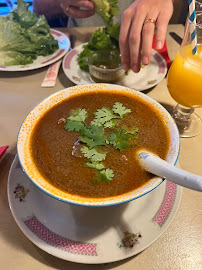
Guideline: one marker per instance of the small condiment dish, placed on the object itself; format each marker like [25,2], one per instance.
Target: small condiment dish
[105,66]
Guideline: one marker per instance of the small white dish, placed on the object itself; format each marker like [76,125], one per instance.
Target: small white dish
[87,234]
[148,77]
[42,61]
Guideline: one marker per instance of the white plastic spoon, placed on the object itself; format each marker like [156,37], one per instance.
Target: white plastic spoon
[157,166]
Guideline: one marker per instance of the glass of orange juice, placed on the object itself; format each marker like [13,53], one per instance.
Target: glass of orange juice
[185,81]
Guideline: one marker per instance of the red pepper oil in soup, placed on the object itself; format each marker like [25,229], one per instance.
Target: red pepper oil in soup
[57,151]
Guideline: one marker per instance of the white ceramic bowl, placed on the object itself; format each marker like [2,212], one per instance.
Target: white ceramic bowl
[26,161]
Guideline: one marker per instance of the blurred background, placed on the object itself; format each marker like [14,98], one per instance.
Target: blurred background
[179,15]
[7,5]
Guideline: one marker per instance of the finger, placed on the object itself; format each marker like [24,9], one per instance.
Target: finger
[124,39]
[81,3]
[78,13]
[161,28]
[135,41]
[147,39]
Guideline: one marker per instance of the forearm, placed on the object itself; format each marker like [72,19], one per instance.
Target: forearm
[49,8]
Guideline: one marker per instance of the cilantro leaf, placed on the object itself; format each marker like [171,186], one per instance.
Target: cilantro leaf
[111,123]
[83,64]
[92,135]
[78,115]
[93,154]
[73,125]
[95,165]
[109,118]
[104,176]
[120,139]
[104,115]
[96,122]
[120,109]
[114,31]
[135,132]
[107,175]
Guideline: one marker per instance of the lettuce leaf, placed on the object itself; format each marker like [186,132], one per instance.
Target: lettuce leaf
[22,15]
[106,9]
[24,36]
[101,40]
[12,58]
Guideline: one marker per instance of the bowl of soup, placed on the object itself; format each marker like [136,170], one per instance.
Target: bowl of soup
[79,145]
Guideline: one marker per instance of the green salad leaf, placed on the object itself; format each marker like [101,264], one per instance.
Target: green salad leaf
[100,40]
[24,36]
[113,31]
[22,15]
[106,9]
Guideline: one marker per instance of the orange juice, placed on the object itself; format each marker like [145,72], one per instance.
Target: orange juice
[185,77]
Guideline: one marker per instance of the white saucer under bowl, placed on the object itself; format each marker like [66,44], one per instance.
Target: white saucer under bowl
[91,235]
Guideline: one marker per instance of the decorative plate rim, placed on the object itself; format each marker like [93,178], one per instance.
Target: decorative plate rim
[158,228]
[78,80]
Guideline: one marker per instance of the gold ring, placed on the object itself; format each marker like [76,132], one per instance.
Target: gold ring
[150,21]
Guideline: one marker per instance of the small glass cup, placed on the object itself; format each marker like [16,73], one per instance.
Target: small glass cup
[105,66]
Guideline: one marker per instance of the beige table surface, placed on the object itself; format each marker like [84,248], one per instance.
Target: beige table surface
[180,247]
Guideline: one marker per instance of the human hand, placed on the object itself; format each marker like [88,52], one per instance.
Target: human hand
[77,8]
[136,36]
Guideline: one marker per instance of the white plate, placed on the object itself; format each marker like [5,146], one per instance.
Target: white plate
[90,235]
[42,61]
[148,76]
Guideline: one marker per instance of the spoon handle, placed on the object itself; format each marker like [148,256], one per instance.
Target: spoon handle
[161,168]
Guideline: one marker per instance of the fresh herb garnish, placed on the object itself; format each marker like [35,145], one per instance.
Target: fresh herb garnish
[78,115]
[94,137]
[120,109]
[109,118]
[95,165]
[103,116]
[120,139]
[75,121]
[93,154]
[73,125]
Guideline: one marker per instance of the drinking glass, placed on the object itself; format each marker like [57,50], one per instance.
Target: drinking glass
[185,81]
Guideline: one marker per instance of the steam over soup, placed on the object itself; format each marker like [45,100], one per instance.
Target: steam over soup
[86,144]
